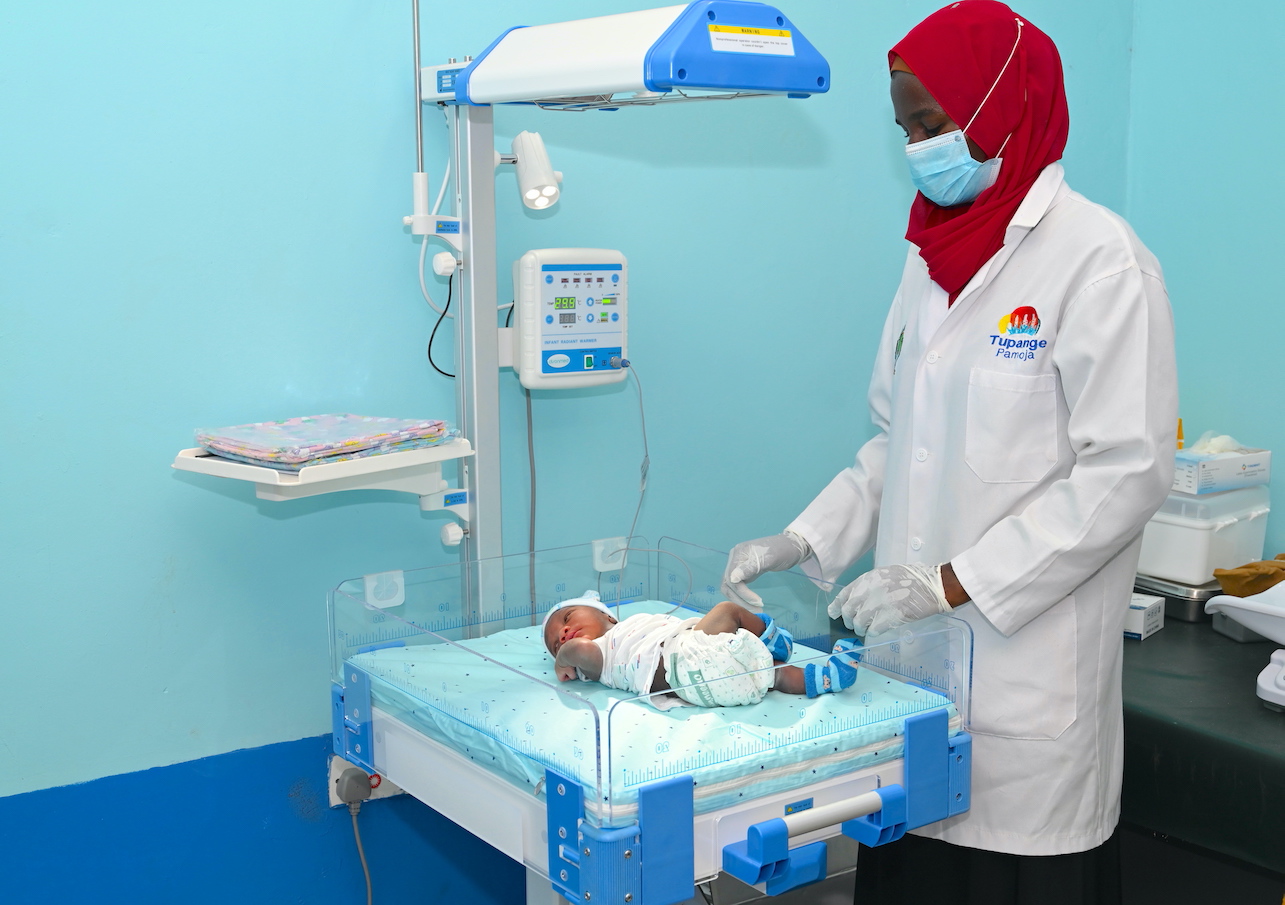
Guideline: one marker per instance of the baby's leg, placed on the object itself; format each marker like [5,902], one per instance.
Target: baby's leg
[727,617]
[790,679]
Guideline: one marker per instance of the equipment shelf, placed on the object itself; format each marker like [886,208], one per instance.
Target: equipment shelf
[417,471]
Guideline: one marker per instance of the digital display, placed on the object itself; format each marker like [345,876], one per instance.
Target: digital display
[608,300]
[564,302]
[567,318]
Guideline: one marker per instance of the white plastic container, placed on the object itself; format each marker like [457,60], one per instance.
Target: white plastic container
[1193,535]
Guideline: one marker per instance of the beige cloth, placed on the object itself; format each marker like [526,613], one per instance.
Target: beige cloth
[1251,578]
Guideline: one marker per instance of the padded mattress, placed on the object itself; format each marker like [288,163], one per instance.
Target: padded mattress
[497,701]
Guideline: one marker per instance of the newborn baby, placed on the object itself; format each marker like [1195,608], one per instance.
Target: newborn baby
[721,659]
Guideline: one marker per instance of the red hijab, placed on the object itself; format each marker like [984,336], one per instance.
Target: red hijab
[958,52]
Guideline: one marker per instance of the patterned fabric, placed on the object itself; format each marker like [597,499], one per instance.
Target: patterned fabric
[631,649]
[318,439]
[835,673]
[724,670]
[779,642]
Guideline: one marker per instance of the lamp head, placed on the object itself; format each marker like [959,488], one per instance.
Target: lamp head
[537,181]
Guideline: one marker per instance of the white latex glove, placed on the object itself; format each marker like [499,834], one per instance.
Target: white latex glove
[750,559]
[889,596]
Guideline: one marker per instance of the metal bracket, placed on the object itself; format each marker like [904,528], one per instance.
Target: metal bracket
[350,718]
[449,500]
[605,864]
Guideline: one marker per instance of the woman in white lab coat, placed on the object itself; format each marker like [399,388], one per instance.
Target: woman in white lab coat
[1026,404]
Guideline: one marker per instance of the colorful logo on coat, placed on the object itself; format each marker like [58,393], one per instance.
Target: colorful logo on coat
[1016,336]
[1021,320]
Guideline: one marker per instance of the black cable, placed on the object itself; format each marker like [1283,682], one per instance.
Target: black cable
[450,284]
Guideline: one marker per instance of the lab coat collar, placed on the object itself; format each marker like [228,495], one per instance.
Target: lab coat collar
[1048,188]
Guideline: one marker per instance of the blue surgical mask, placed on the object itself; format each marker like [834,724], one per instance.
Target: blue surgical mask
[946,173]
[942,167]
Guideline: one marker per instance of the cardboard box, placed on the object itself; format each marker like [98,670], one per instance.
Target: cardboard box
[1196,473]
[1146,616]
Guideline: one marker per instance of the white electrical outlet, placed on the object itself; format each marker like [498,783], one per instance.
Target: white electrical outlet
[382,789]
[385,589]
[609,553]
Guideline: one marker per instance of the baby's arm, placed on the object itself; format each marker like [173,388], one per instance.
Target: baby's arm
[579,653]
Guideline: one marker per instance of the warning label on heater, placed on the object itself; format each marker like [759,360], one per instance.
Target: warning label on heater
[739,39]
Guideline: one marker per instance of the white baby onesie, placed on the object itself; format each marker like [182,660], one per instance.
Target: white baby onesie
[631,649]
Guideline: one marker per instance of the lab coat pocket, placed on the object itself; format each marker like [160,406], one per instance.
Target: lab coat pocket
[1029,689]
[1011,432]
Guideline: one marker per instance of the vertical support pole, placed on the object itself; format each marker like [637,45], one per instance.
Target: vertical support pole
[477,362]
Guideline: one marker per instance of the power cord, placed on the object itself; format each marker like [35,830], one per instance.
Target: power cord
[353,787]
[450,284]
[645,466]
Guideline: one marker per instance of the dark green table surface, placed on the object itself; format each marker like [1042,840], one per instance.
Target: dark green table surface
[1204,760]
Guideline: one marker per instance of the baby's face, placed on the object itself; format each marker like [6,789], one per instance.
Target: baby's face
[575,622]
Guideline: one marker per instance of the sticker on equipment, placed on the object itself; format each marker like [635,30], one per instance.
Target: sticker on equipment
[739,39]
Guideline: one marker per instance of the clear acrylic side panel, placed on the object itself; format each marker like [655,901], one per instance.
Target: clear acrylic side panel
[787,741]
[791,598]
[455,652]
[439,646]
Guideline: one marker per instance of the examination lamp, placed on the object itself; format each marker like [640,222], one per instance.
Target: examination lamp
[537,180]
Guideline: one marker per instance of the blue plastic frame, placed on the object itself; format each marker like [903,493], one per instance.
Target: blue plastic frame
[350,705]
[606,864]
[462,80]
[684,58]
[937,784]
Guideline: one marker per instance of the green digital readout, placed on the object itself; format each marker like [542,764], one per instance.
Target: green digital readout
[608,300]
[564,302]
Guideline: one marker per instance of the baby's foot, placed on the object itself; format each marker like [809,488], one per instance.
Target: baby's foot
[780,643]
[835,673]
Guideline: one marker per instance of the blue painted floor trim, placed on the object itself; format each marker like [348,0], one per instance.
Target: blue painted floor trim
[251,827]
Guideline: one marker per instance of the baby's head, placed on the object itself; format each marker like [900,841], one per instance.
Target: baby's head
[582,617]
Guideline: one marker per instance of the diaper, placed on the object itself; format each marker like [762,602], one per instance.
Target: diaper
[722,670]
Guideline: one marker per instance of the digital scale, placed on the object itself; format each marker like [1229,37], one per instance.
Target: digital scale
[572,315]
[1265,614]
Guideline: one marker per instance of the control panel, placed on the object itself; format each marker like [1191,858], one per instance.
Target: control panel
[572,315]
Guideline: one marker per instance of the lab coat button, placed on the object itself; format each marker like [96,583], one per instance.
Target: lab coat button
[932,357]
[921,454]
[915,543]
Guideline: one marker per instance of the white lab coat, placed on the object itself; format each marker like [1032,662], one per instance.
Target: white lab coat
[1031,461]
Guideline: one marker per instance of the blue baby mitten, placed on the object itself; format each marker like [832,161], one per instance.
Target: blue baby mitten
[837,672]
[779,642]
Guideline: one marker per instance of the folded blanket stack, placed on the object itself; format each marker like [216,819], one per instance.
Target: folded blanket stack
[320,439]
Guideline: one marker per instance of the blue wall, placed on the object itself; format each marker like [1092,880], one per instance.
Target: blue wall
[201,226]
[249,826]
[1205,194]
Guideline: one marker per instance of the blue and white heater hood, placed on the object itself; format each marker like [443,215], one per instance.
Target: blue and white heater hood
[709,49]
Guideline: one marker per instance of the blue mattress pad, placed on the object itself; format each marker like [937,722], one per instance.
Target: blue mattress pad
[497,701]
